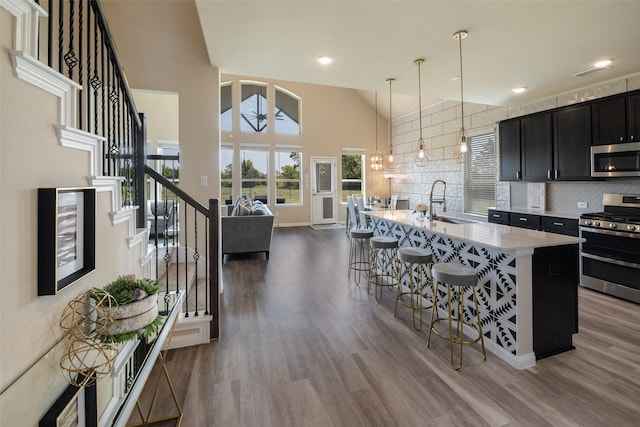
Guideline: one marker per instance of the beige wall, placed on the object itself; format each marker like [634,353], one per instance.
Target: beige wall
[162,111]
[31,157]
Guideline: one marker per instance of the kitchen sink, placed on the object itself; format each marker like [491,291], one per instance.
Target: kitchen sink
[453,220]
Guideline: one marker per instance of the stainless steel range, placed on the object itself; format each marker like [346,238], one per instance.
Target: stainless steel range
[610,256]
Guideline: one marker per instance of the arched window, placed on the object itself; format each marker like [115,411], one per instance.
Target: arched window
[226,108]
[253,107]
[287,112]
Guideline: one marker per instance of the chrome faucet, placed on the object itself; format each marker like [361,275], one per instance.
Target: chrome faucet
[442,201]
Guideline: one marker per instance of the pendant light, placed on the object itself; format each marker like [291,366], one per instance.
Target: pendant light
[421,155]
[390,163]
[377,159]
[461,144]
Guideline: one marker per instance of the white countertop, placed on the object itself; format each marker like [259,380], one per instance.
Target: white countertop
[497,236]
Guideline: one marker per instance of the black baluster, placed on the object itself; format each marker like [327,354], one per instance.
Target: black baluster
[206,265]
[80,67]
[70,57]
[196,256]
[50,35]
[60,35]
[186,257]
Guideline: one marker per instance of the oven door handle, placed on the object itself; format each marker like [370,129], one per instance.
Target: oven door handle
[610,260]
[609,232]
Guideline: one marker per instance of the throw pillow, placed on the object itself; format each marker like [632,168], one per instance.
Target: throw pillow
[244,208]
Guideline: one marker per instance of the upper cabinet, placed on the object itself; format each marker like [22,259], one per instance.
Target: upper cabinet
[572,139]
[633,117]
[555,144]
[608,117]
[537,147]
[509,143]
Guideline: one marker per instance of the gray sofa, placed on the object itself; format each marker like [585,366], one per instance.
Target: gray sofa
[247,233]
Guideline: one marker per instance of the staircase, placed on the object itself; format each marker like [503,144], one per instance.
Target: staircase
[65,48]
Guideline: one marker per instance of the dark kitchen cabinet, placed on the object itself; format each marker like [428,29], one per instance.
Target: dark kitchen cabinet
[537,147]
[498,217]
[633,117]
[571,142]
[609,117]
[555,299]
[554,224]
[509,131]
[523,220]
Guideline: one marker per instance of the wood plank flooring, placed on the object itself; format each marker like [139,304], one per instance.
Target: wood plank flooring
[301,347]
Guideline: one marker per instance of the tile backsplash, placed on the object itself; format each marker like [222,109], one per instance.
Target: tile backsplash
[564,196]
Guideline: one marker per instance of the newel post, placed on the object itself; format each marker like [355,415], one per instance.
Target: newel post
[140,197]
[214,266]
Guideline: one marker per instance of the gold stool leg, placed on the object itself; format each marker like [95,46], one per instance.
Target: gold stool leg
[435,316]
[475,299]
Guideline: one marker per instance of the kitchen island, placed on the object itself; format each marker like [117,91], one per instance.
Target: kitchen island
[528,279]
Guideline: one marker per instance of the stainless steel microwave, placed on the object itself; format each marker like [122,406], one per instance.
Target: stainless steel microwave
[615,160]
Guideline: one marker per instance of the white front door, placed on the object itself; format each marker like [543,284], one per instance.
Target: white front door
[323,190]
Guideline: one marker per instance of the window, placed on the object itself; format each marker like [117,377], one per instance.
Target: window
[254,165]
[480,174]
[352,173]
[226,110]
[288,176]
[253,108]
[226,173]
[287,113]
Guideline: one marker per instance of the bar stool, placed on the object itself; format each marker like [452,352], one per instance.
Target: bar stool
[359,261]
[460,277]
[422,258]
[383,253]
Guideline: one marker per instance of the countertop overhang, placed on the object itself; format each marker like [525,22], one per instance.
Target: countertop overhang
[503,237]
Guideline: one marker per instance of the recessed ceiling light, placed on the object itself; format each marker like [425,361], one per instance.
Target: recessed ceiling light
[519,89]
[325,60]
[603,63]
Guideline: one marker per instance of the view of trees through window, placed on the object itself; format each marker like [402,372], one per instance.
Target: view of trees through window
[288,165]
[352,177]
[254,172]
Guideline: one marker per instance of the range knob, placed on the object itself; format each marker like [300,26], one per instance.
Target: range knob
[613,225]
[588,222]
[631,227]
[597,223]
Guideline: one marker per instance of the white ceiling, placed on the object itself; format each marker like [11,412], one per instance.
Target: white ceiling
[537,44]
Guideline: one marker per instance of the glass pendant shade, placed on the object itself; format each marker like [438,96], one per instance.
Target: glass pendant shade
[461,144]
[420,158]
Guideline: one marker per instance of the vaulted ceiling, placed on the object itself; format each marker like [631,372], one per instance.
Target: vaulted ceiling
[537,44]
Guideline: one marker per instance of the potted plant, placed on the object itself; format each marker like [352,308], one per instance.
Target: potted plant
[128,309]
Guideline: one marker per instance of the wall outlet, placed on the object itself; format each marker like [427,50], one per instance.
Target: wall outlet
[582,205]
[277,213]
[204,181]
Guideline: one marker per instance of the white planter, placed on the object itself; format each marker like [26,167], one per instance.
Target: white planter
[129,310]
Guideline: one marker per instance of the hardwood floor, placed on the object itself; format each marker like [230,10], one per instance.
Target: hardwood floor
[301,347]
